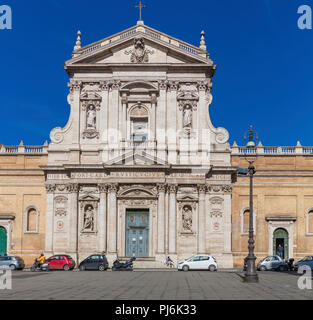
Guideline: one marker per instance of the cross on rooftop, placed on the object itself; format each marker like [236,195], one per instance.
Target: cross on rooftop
[140,6]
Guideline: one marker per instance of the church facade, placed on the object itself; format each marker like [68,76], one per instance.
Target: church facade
[140,170]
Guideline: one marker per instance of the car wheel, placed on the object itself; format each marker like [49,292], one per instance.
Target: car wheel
[262,268]
[82,268]
[185,268]
[66,267]
[212,268]
[101,267]
[282,268]
[12,267]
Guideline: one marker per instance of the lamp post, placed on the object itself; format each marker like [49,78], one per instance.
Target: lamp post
[251,274]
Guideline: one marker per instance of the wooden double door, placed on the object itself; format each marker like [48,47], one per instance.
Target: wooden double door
[137,233]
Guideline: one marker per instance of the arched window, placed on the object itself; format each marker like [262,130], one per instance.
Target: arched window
[309,221]
[31,216]
[246,217]
[245,220]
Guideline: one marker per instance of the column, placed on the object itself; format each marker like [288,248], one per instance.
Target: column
[114,135]
[75,88]
[73,228]
[104,116]
[171,123]
[227,218]
[160,121]
[112,218]
[172,219]
[123,123]
[161,218]
[50,188]
[102,218]
[202,119]
[201,219]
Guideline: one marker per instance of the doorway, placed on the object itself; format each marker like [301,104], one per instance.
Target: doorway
[3,241]
[137,232]
[281,238]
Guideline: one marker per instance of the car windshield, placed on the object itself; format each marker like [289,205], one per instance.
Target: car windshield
[309,258]
[68,257]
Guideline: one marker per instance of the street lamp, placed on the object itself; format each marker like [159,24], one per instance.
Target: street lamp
[250,155]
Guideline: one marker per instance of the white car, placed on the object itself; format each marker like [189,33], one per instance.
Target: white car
[198,262]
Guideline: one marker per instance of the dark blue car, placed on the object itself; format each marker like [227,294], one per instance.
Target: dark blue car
[306,261]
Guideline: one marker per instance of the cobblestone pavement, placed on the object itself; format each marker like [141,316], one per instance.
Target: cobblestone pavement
[152,285]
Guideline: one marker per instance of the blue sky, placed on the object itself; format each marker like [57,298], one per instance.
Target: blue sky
[264,75]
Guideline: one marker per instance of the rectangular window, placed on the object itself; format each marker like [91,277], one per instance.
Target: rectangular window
[139,129]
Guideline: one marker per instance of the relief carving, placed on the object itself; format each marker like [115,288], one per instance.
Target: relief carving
[60,204]
[139,54]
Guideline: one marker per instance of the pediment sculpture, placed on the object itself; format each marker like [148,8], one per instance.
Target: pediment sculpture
[139,54]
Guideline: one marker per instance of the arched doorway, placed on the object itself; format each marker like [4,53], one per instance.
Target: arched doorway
[3,241]
[281,237]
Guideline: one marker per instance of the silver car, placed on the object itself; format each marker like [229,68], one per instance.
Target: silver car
[272,263]
[13,262]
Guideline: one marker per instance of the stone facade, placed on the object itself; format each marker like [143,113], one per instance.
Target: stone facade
[140,137]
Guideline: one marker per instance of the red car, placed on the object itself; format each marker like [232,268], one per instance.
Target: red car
[61,262]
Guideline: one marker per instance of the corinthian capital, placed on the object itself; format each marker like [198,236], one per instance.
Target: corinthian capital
[116,84]
[50,188]
[161,187]
[172,188]
[113,187]
[163,84]
[202,188]
[104,85]
[227,189]
[102,187]
[72,187]
[173,85]
[202,85]
[75,85]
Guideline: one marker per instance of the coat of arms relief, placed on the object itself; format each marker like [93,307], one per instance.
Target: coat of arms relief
[139,54]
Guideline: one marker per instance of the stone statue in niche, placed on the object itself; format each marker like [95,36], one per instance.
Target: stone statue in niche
[187,218]
[187,124]
[91,117]
[89,218]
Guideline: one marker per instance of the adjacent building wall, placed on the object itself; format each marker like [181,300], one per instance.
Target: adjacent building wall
[23,200]
[283,196]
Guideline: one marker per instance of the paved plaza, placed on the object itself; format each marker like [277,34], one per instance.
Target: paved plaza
[152,285]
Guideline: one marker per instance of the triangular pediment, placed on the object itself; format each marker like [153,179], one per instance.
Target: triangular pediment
[159,49]
[136,158]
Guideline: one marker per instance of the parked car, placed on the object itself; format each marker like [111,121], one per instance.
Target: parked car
[306,261]
[13,262]
[198,262]
[94,262]
[272,263]
[61,262]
